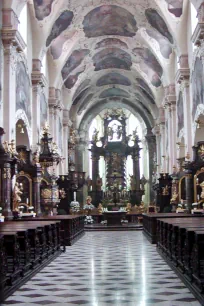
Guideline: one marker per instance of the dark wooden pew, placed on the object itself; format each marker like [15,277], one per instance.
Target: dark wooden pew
[72,227]
[150,222]
[26,247]
[181,244]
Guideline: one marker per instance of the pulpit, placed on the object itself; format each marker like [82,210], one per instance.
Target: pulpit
[114,217]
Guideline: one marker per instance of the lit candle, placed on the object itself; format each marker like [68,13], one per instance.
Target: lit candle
[74,196]
[27,201]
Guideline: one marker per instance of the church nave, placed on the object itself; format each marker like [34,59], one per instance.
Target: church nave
[106,268]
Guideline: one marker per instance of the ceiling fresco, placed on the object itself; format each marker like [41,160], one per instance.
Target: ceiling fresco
[158,23]
[72,79]
[109,42]
[175,7]
[112,58]
[164,45]
[74,61]
[80,96]
[149,65]
[114,92]
[113,78]
[61,24]
[109,20]
[42,8]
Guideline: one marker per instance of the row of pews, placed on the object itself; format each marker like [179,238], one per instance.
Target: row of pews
[26,246]
[181,242]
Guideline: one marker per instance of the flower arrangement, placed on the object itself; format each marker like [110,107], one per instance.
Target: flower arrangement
[88,220]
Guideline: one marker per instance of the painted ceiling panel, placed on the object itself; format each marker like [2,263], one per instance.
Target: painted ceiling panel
[57,44]
[158,23]
[74,61]
[114,92]
[149,65]
[113,78]
[72,79]
[61,24]
[109,42]
[175,7]
[164,45]
[42,8]
[112,58]
[109,20]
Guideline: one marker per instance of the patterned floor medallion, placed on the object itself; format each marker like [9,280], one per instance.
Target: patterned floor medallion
[106,268]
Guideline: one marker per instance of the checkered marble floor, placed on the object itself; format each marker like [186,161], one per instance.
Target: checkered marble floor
[106,268]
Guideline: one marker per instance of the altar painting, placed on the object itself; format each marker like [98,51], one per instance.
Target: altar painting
[23,90]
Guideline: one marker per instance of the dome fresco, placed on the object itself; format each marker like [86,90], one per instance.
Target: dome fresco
[109,20]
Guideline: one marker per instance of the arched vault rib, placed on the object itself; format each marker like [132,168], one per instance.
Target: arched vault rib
[92,112]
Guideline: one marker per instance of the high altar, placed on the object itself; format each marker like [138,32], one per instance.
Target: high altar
[115,146]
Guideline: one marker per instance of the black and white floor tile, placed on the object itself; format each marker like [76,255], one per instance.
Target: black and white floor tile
[106,268]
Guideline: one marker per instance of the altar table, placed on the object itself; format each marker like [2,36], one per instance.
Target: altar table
[114,217]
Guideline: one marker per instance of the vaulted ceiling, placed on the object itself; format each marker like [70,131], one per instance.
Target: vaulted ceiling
[109,51]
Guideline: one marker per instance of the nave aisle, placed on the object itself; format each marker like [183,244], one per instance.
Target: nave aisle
[106,268]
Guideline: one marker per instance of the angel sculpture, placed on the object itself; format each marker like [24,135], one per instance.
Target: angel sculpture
[95,135]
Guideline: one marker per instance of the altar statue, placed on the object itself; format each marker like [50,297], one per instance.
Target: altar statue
[95,135]
[128,208]
[99,183]
[17,191]
[100,208]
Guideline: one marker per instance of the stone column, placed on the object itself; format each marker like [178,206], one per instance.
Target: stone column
[6,194]
[36,190]
[156,132]
[182,78]
[52,102]
[151,141]
[38,82]
[65,139]
[12,43]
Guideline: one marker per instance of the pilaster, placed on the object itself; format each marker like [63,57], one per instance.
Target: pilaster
[12,43]
[182,78]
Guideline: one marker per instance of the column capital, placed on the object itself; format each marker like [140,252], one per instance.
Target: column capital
[183,73]
[37,77]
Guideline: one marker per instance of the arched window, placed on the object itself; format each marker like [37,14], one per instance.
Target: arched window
[23,24]
[44,63]
[194,18]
